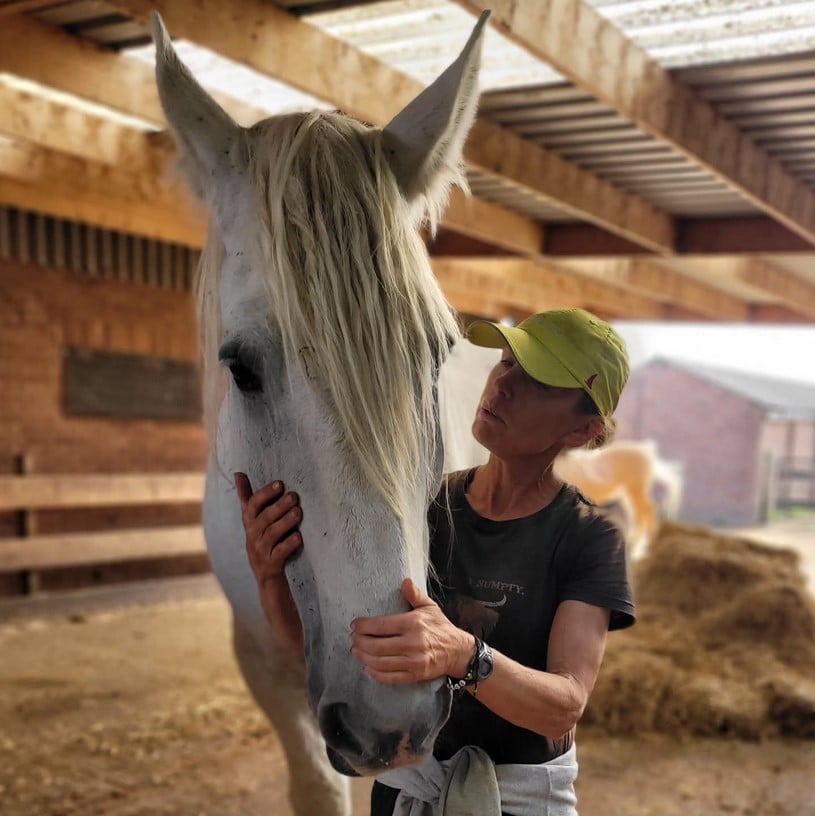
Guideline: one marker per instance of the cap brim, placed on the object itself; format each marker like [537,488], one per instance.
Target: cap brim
[533,357]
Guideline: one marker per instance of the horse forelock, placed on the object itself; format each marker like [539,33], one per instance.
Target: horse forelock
[350,286]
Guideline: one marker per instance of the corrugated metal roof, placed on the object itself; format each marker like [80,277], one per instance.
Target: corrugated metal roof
[772,100]
[679,33]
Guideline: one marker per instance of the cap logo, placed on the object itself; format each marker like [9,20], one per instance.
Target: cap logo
[590,381]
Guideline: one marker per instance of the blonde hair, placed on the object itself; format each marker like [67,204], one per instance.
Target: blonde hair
[350,283]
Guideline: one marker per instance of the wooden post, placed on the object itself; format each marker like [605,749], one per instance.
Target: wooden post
[5,234]
[27,525]
[771,499]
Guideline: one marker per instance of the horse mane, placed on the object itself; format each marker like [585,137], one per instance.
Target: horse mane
[350,287]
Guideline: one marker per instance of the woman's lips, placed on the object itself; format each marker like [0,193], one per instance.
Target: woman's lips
[490,414]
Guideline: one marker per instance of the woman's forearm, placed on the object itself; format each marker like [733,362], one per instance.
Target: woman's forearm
[548,704]
[281,613]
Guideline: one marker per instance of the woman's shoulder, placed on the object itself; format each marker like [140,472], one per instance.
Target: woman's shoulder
[587,517]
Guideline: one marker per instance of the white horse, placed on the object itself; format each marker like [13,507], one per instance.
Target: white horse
[317,300]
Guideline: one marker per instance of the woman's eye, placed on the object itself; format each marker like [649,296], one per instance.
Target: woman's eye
[244,378]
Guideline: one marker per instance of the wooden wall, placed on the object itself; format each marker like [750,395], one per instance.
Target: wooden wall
[45,309]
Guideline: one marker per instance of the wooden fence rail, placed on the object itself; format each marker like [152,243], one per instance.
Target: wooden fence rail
[65,491]
[38,491]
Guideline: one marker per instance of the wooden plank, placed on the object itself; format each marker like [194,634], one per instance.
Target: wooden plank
[535,285]
[44,53]
[794,292]
[33,178]
[71,550]
[277,44]
[737,236]
[27,117]
[9,7]
[588,49]
[474,217]
[541,173]
[678,291]
[37,492]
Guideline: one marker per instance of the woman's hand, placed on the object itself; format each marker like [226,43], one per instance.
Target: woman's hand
[412,647]
[270,519]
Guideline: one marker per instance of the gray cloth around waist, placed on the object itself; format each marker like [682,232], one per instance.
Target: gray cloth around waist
[469,784]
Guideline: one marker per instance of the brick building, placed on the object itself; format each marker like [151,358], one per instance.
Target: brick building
[746,443]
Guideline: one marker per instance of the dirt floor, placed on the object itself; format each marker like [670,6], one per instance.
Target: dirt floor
[129,703]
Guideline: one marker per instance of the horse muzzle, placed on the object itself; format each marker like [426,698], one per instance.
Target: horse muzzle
[357,747]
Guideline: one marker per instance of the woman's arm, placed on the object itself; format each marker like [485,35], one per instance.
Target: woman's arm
[551,702]
[270,519]
[423,645]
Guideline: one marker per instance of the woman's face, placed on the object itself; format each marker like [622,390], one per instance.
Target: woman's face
[518,416]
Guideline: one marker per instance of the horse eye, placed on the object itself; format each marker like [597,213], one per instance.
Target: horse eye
[244,378]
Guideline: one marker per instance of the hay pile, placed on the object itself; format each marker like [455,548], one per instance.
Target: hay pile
[724,644]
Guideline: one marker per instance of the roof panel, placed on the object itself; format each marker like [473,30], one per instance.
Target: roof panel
[694,32]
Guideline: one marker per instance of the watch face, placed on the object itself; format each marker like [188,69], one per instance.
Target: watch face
[485,663]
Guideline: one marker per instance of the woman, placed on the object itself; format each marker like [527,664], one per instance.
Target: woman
[530,577]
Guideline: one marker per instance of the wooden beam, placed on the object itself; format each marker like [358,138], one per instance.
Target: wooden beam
[39,180]
[680,292]
[476,218]
[739,235]
[31,118]
[585,239]
[10,7]
[40,491]
[544,175]
[276,43]
[46,54]
[76,549]
[596,56]
[794,292]
[63,128]
[772,313]
[533,286]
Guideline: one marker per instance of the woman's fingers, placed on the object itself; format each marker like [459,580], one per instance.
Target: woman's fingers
[274,564]
[244,488]
[285,507]
[260,499]
[381,646]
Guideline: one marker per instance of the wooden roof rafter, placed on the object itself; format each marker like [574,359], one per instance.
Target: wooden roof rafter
[588,49]
[278,44]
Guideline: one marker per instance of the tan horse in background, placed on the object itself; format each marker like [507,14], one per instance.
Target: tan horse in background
[626,472]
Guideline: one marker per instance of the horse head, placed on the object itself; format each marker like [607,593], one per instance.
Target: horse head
[317,301]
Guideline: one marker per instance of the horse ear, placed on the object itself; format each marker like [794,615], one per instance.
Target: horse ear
[424,142]
[207,137]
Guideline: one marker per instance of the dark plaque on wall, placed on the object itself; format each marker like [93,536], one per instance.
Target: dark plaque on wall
[129,386]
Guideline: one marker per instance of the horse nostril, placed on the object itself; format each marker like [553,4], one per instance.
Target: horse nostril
[333,724]
[372,748]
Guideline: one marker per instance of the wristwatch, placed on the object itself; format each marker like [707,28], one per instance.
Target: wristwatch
[480,668]
[485,662]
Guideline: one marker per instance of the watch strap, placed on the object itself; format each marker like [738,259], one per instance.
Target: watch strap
[471,676]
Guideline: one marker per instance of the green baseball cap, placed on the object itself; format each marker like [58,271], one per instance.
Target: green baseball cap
[566,348]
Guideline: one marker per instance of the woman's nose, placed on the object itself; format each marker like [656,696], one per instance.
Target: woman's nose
[503,383]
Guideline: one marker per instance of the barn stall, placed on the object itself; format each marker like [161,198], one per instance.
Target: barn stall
[645,163]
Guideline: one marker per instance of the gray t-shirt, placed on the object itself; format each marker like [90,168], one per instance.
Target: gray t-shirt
[503,581]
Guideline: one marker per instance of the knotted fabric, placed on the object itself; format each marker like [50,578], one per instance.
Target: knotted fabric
[469,784]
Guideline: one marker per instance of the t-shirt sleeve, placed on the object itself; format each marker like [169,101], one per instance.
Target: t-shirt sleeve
[597,573]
